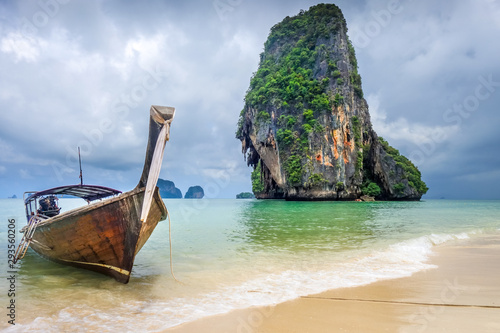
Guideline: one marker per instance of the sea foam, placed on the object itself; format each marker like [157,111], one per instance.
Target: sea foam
[309,277]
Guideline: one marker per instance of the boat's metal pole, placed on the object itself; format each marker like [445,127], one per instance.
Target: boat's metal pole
[80,161]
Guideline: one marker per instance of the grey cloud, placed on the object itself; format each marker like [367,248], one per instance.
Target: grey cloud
[92,58]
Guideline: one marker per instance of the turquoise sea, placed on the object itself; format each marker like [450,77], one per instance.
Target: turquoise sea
[232,254]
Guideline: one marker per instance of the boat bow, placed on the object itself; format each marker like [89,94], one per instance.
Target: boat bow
[159,133]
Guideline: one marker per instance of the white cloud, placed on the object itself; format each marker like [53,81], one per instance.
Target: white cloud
[145,51]
[401,129]
[22,47]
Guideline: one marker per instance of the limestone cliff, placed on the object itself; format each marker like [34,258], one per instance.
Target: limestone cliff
[194,192]
[305,126]
[168,189]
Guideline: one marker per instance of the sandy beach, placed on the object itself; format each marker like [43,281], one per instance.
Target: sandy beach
[462,294]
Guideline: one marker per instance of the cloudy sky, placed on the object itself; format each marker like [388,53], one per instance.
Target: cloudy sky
[84,73]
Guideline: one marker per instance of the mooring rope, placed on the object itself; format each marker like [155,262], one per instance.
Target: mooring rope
[170,247]
[405,303]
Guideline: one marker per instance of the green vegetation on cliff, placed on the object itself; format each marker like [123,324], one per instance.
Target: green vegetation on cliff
[354,77]
[412,174]
[305,123]
[293,169]
[257,182]
[318,22]
[371,189]
[285,78]
[285,81]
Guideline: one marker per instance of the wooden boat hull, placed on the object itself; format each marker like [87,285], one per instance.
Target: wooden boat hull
[103,237]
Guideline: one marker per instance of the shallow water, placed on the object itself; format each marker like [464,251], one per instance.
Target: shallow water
[232,254]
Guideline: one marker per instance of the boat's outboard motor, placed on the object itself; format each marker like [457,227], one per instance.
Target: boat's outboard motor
[48,206]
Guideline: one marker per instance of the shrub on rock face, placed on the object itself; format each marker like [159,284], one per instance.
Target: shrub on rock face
[372,190]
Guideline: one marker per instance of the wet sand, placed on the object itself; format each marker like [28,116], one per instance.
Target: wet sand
[461,295]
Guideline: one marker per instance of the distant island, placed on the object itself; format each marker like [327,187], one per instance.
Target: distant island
[168,189]
[13,197]
[245,195]
[305,126]
[194,192]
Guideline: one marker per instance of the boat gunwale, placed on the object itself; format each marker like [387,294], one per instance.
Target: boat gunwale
[89,207]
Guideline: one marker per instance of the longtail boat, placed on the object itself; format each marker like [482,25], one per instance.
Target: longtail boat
[105,235]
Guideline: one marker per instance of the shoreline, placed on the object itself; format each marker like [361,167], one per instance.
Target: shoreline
[461,295]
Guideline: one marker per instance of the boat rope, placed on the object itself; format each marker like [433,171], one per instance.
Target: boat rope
[403,302]
[27,237]
[170,247]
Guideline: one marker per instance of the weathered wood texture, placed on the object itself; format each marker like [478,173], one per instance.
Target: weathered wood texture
[103,236]
[158,115]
